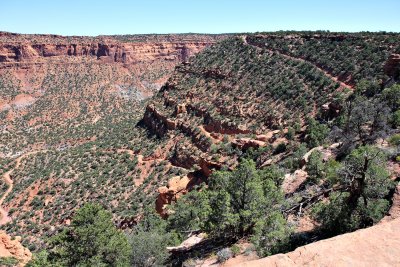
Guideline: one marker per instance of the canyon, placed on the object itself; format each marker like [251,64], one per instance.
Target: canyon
[136,122]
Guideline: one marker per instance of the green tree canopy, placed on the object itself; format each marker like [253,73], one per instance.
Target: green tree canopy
[315,166]
[149,240]
[91,240]
[391,96]
[364,184]
[236,203]
[316,133]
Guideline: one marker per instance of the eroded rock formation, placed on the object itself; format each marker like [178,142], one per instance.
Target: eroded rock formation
[16,48]
[175,188]
[13,248]
[392,66]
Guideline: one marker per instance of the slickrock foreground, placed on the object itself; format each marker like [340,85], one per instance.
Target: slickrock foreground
[375,246]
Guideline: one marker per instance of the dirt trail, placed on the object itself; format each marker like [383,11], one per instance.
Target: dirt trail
[4,218]
[129,151]
[204,131]
[333,78]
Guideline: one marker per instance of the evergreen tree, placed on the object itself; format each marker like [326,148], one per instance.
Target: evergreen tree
[238,203]
[363,121]
[315,166]
[91,240]
[149,240]
[240,199]
[316,133]
[364,184]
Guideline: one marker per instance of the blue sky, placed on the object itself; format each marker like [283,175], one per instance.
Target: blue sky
[89,17]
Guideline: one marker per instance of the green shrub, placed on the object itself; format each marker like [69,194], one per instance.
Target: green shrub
[280,148]
[235,250]
[224,254]
[316,133]
[315,167]
[290,133]
[8,261]
[394,140]
[395,120]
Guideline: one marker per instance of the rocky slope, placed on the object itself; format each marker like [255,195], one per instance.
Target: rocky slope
[58,94]
[247,91]
[36,70]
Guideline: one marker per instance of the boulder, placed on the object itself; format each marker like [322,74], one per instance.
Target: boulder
[188,243]
[245,143]
[292,181]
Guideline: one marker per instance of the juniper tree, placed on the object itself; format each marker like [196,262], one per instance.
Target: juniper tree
[360,199]
[90,240]
[238,203]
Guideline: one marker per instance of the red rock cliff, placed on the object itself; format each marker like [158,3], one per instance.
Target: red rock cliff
[32,48]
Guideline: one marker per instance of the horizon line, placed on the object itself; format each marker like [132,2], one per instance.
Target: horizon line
[204,33]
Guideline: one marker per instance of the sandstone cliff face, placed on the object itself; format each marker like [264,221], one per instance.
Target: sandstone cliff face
[15,48]
[392,66]
[13,248]
[107,52]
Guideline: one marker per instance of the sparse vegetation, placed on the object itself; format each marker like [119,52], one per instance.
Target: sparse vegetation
[232,126]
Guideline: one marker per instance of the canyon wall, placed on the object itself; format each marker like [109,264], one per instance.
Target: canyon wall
[107,52]
[16,48]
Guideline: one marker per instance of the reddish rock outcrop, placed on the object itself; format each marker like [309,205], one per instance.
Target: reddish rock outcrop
[293,181]
[392,66]
[157,122]
[245,143]
[166,194]
[13,248]
[331,110]
[207,167]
